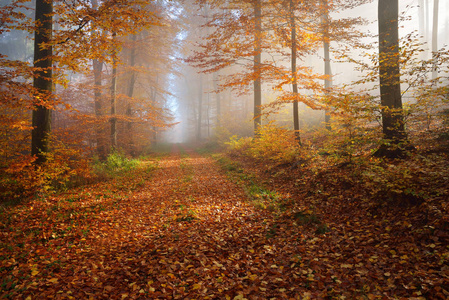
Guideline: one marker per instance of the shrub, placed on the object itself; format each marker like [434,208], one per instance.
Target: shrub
[239,144]
[272,143]
[277,144]
[115,162]
[21,178]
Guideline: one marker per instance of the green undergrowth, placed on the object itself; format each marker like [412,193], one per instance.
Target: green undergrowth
[115,163]
[208,148]
[271,200]
[260,196]
[124,173]
[345,174]
[161,149]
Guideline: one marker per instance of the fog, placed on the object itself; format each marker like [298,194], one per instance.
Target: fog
[238,109]
[177,97]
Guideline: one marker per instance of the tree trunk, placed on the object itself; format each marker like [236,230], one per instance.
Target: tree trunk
[427,22]
[132,83]
[390,89]
[217,95]
[200,109]
[114,98]
[154,100]
[327,61]
[98,71]
[435,39]
[208,115]
[293,67]
[257,66]
[43,76]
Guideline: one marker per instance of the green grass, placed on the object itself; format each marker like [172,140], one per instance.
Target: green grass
[260,196]
[264,198]
[208,148]
[114,164]
[162,148]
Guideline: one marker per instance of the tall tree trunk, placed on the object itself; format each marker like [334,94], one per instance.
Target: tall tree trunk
[294,71]
[390,89]
[132,83]
[208,115]
[98,71]
[435,39]
[327,60]
[43,76]
[217,95]
[200,109]
[114,98]
[427,20]
[257,64]
[154,100]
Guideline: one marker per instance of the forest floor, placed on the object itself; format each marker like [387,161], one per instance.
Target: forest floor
[182,227]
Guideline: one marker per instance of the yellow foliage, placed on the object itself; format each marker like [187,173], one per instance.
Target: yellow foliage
[277,144]
[273,143]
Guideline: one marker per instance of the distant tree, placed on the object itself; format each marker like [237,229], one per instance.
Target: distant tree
[294,54]
[435,39]
[327,60]
[200,108]
[114,96]
[257,63]
[237,40]
[130,91]
[97,66]
[296,28]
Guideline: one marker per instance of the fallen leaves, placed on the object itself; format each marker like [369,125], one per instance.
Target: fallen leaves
[189,232]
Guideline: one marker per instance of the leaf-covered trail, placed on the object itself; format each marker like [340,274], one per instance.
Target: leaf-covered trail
[182,231]
[182,234]
[178,228]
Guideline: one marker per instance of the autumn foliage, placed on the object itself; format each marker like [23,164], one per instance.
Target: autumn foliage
[302,189]
[79,104]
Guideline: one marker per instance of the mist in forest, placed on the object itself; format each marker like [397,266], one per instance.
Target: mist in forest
[171,84]
[225,149]
[416,20]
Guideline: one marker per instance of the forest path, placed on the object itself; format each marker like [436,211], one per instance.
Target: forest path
[180,230]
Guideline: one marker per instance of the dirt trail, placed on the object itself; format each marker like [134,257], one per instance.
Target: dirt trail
[188,234]
[180,229]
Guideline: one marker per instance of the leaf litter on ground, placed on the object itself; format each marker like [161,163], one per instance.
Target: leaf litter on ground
[185,231]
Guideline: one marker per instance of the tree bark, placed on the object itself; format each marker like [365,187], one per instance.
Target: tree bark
[114,98]
[435,39]
[132,83]
[427,20]
[98,72]
[294,71]
[389,73]
[43,76]
[327,61]
[217,95]
[154,100]
[257,64]
[200,109]
[208,115]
